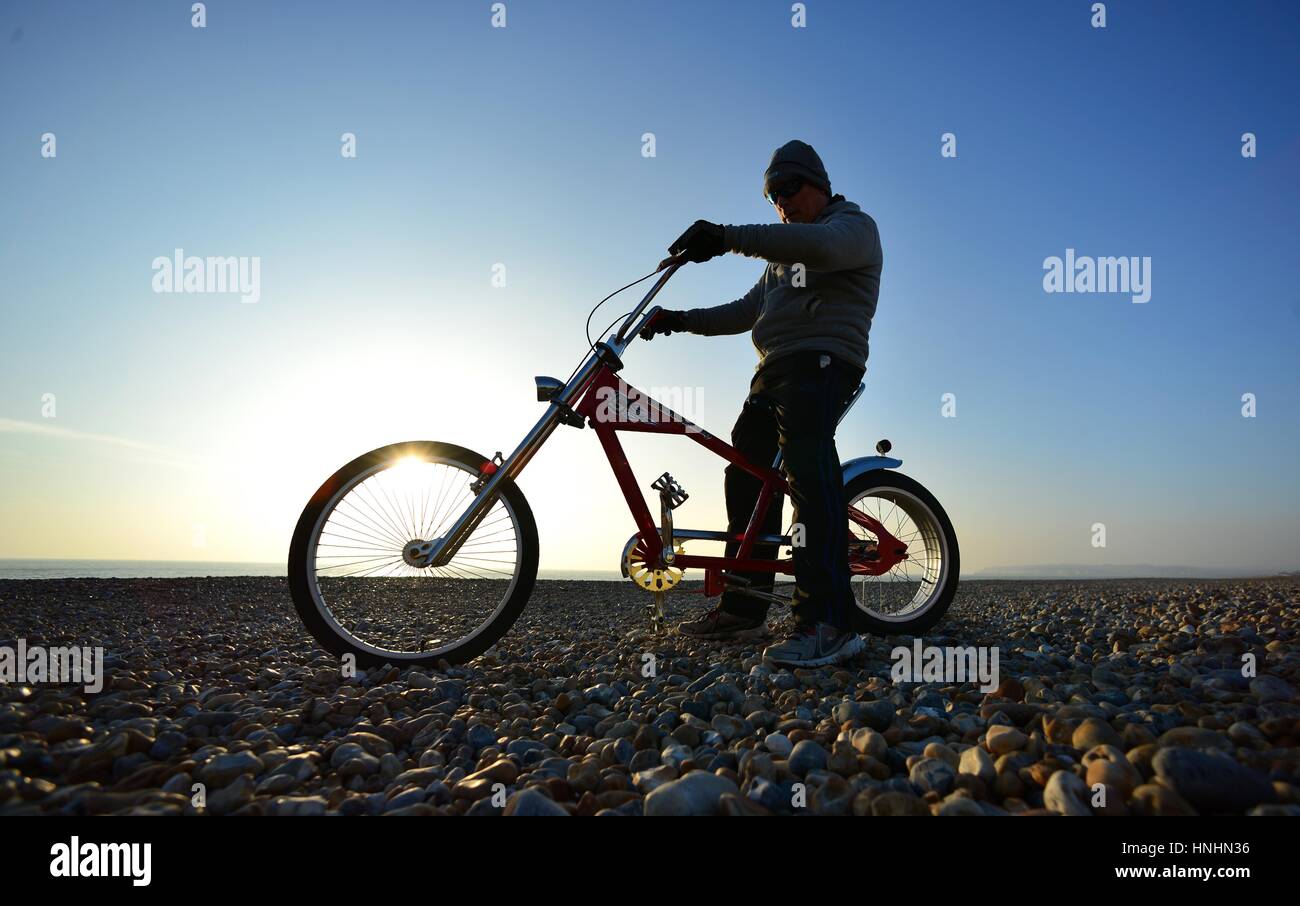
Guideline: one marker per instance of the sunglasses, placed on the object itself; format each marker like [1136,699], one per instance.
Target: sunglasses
[784,189]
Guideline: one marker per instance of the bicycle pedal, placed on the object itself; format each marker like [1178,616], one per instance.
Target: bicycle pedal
[671,494]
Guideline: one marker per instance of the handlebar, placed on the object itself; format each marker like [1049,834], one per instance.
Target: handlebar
[667,267]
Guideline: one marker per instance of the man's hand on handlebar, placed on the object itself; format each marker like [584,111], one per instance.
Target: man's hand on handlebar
[665,322]
[701,241]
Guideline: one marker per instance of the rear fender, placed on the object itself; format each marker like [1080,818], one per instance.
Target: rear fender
[855,467]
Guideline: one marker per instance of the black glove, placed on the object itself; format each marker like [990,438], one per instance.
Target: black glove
[701,241]
[664,323]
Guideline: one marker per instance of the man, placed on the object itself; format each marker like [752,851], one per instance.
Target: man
[810,314]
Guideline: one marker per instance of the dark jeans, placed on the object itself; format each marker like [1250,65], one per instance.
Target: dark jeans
[794,404]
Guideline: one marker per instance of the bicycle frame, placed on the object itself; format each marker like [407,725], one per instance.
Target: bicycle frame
[595,385]
[608,390]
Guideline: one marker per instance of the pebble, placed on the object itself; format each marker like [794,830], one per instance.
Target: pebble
[778,744]
[1133,684]
[1109,766]
[1067,794]
[1271,688]
[297,805]
[231,797]
[532,803]
[806,756]
[893,803]
[933,774]
[1001,740]
[1194,737]
[1210,781]
[1093,732]
[1154,800]
[960,806]
[977,762]
[223,769]
[648,781]
[869,742]
[698,793]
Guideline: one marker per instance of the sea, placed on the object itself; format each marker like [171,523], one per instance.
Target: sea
[182,569]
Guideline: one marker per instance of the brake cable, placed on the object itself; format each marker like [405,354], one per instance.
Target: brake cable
[596,307]
[606,299]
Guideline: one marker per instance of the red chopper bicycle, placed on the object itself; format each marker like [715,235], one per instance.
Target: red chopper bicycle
[422,551]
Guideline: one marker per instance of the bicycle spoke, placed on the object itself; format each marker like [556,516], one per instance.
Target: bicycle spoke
[377,528]
[374,596]
[908,586]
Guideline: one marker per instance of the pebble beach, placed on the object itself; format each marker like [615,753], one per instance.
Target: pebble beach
[1115,697]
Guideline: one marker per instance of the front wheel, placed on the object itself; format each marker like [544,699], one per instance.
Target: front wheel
[354,583]
[913,594]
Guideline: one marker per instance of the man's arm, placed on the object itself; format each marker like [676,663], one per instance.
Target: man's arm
[733,317]
[840,244]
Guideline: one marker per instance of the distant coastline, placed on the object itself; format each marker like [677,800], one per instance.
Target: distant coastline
[185,569]
[191,569]
[132,569]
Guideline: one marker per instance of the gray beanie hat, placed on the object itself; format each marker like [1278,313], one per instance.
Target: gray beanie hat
[796,158]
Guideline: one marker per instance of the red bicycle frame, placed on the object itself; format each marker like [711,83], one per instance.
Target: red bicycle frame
[595,395]
[607,391]
[608,404]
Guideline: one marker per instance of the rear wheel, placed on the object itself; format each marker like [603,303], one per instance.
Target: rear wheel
[354,579]
[913,594]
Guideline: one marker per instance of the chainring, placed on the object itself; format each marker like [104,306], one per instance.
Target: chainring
[634,566]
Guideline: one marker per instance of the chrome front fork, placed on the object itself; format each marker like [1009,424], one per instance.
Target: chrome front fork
[439,551]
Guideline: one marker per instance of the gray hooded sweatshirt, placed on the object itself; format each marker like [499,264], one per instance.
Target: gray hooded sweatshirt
[832,311]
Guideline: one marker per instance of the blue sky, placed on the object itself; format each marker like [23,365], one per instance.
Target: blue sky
[194,426]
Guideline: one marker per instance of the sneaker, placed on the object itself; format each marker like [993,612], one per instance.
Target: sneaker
[719,624]
[814,647]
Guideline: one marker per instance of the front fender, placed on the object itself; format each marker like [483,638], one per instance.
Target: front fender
[855,467]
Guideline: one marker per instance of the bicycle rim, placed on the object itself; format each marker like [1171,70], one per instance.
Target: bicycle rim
[371,595]
[912,586]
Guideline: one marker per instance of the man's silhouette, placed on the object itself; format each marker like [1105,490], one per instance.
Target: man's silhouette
[810,314]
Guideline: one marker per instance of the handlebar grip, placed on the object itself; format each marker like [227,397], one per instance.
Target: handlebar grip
[628,331]
[679,258]
[672,261]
